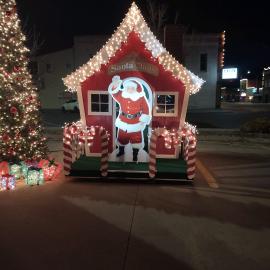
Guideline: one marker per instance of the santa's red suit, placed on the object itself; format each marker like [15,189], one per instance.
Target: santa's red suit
[134,113]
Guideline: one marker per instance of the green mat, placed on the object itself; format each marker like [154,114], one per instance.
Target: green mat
[164,166]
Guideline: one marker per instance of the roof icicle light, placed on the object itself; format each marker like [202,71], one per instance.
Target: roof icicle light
[134,21]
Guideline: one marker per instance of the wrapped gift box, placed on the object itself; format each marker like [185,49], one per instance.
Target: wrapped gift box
[4,167]
[16,170]
[34,176]
[25,165]
[8,181]
[24,169]
[51,169]
[49,172]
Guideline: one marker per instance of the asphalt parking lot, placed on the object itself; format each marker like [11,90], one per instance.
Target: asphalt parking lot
[221,222]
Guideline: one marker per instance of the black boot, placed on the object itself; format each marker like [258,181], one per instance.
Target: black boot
[135,154]
[121,151]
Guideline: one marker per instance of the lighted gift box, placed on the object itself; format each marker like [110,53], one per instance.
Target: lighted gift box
[34,176]
[24,169]
[16,170]
[49,172]
[4,168]
[51,169]
[25,165]
[8,181]
[58,170]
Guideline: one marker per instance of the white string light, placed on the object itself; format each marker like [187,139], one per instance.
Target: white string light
[134,21]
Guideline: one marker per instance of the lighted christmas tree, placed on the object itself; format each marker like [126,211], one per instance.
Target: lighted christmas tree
[21,133]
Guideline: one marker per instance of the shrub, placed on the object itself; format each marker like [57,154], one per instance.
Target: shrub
[260,125]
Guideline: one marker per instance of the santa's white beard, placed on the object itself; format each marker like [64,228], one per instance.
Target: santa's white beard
[133,96]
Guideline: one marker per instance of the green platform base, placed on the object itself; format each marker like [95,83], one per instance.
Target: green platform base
[171,169]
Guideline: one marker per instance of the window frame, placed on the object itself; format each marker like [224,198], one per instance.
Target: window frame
[163,93]
[98,92]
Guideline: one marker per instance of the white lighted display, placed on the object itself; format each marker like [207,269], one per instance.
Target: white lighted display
[134,21]
[229,73]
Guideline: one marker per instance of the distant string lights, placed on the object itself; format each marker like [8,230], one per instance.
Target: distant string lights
[222,54]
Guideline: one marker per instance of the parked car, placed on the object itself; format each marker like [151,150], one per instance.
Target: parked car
[71,105]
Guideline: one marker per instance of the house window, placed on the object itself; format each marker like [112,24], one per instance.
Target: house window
[33,66]
[41,83]
[99,103]
[166,104]
[203,62]
[49,68]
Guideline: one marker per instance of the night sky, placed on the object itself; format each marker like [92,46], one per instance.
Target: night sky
[247,26]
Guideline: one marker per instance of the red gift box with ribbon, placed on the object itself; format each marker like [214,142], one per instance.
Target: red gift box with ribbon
[51,169]
[4,168]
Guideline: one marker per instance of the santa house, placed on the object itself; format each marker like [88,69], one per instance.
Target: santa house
[133,98]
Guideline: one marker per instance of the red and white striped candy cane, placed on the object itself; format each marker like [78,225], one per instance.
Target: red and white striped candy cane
[189,149]
[185,147]
[191,157]
[104,152]
[153,153]
[67,145]
[89,136]
[82,139]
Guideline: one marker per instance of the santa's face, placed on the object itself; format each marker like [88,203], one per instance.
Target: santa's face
[131,89]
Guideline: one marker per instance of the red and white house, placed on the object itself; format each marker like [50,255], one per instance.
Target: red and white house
[132,54]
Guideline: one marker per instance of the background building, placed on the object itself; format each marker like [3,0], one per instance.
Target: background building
[48,71]
[200,53]
[250,90]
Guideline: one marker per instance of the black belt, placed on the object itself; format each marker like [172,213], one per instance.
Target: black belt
[131,116]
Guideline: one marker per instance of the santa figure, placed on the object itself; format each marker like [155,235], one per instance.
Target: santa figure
[134,114]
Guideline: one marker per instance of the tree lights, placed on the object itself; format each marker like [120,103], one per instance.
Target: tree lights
[134,21]
[20,129]
[222,48]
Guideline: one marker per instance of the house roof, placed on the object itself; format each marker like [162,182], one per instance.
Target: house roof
[134,21]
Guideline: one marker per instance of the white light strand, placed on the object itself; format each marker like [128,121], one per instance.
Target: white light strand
[134,21]
[174,137]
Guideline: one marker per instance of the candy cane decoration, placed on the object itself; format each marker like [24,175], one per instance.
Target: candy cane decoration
[74,144]
[104,152]
[153,148]
[153,153]
[173,138]
[67,150]
[191,160]
[189,151]
[82,141]
[75,138]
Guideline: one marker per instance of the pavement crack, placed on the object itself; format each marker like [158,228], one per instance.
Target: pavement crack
[130,228]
